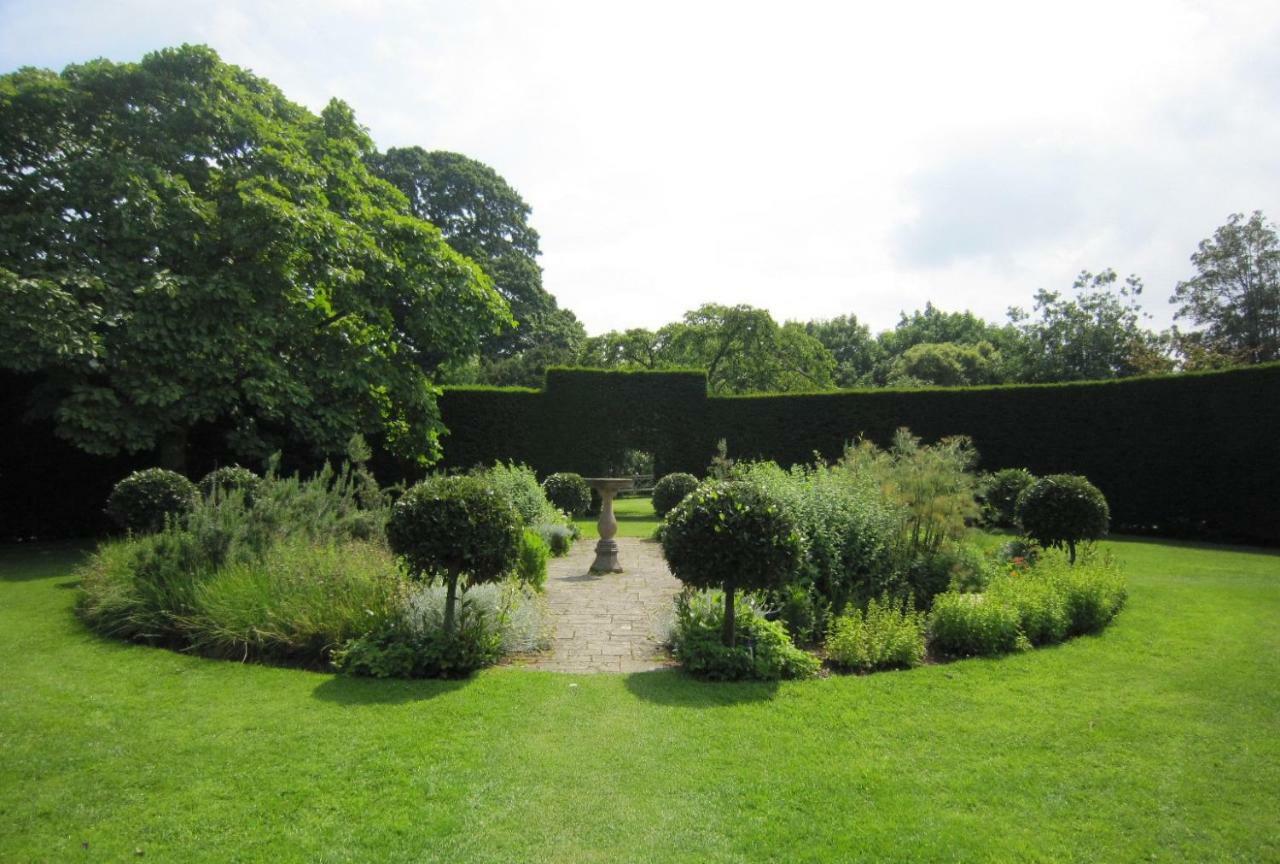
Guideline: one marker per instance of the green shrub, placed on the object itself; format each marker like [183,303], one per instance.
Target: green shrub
[519,486]
[670,490]
[731,535]
[449,526]
[849,532]
[761,649]
[296,604]
[141,502]
[952,566]
[1000,493]
[494,619]
[144,588]
[568,492]
[1063,510]
[1093,591]
[531,567]
[886,635]
[1043,614]
[220,482]
[969,625]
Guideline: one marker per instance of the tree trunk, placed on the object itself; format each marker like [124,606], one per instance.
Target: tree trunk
[1071,552]
[173,450]
[450,599]
[729,636]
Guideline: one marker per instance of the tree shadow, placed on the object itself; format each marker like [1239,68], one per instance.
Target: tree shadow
[29,562]
[344,690]
[676,688]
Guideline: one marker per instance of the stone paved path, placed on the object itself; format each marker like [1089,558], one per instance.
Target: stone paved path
[607,622]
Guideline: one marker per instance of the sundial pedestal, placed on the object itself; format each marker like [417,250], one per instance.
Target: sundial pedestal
[607,548]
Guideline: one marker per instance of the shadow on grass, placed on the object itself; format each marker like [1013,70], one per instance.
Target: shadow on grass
[27,562]
[675,688]
[343,690]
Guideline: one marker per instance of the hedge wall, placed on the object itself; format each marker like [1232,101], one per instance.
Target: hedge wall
[1185,454]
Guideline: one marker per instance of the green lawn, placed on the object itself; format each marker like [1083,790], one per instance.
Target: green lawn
[1159,740]
[635,519]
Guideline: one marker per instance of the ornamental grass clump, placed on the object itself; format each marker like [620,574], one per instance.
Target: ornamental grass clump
[450,527]
[734,536]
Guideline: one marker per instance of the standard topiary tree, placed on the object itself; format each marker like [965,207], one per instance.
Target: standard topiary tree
[1063,510]
[1001,491]
[232,478]
[452,526]
[671,490]
[731,535]
[568,492]
[140,502]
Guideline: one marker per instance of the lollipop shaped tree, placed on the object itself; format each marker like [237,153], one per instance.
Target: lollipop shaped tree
[1062,510]
[448,527]
[731,535]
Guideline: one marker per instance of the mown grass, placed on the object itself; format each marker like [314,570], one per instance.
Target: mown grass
[1157,740]
[635,519]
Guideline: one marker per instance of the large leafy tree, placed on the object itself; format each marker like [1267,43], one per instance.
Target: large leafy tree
[852,346]
[1235,298]
[1095,334]
[742,349]
[181,246]
[484,218]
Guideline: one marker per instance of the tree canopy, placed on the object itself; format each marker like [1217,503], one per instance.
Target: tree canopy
[1235,296]
[484,218]
[181,245]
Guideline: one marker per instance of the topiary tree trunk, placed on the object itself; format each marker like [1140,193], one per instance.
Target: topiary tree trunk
[450,600]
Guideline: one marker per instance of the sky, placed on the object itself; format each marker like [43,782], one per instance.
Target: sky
[813,159]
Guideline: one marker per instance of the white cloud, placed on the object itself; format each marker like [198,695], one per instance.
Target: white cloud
[814,159]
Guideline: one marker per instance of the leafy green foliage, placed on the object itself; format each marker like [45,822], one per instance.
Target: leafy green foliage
[531,568]
[1062,510]
[1235,296]
[972,625]
[761,649]
[449,526]
[886,635]
[182,245]
[670,490]
[1000,493]
[231,478]
[1096,335]
[456,525]
[519,485]
[567,492]
[142,502]
[850,533]
[731,535]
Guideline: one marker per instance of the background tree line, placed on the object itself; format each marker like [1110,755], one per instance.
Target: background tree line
[191,262]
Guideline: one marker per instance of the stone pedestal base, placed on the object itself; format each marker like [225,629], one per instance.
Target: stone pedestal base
[606,557]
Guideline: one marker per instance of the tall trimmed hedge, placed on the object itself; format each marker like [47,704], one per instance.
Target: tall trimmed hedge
[1183,454]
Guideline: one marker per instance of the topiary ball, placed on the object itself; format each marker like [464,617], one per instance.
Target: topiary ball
[568,492]
[140,502]
[1001,492]
[455,525]
[1063,510]
[223,481]
[671,490]
[731,534]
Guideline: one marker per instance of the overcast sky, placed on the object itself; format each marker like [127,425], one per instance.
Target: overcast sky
[815,159]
